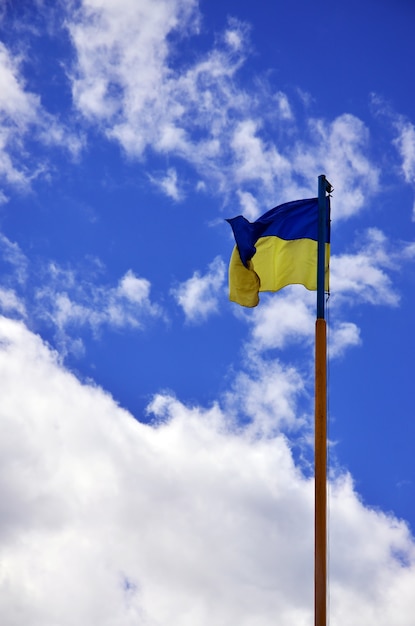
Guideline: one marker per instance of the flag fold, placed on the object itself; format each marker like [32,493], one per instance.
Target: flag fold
[278,249]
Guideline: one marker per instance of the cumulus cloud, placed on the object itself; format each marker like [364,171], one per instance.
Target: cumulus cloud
[289,319]
[283,319]
[265,396]
[363,275]
[199,295]
[186,521]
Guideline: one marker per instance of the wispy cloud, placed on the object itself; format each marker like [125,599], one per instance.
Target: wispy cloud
[23,119]
[405,143]
[403,137]
[10,303]
[15,259]
[340,148]
[168,184]
[124,81]
[70,301]
[363,276]
[343,335]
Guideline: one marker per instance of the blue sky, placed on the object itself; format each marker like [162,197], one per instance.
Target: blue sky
[157,448]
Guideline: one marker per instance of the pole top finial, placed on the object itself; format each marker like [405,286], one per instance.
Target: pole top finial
[328,186]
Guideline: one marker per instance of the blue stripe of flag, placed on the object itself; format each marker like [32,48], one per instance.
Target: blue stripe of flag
[292,220]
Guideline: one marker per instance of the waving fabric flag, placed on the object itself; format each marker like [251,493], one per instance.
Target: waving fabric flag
[278,249]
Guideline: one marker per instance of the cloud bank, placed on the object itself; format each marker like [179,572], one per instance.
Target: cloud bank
[189,520]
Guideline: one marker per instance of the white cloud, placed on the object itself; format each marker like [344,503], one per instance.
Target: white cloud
[408,251]
[71,301]
[199,295]
[168,184]
[14,274]
[343,335]
[235,35]
[286,317]
[15,103]
[289,318]
[14,257]
[133,289]
[249,205]
[128,80]
[122,64]
[266,395]
[283,106]
[405,143]
[362,276]
[339,148]
[9,302]
[254,160]
[404,132]
[18,110]
[404,138]
[184,522]
[382,545]
[22,116]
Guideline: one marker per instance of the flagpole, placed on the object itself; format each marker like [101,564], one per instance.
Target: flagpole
[320,432]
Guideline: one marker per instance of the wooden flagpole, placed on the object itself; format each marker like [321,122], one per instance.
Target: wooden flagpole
[320,472]
[320,432]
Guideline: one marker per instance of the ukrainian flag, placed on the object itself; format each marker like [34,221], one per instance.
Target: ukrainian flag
[278,249]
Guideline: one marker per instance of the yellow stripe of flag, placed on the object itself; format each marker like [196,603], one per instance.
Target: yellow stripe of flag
[275,264]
